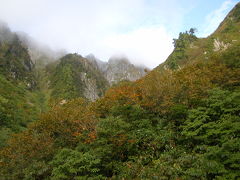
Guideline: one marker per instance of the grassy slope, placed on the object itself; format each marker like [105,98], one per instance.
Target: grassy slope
[203,48]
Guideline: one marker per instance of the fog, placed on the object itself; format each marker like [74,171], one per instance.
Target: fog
[38,49]
[142,30]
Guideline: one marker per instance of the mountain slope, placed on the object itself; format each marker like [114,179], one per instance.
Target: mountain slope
[15,62]
[20,100]
[180,121]
[118,69]
[74,76]
[189,48]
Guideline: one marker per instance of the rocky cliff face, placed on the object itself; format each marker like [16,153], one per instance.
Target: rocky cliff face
[24,60]
[75,76]
[15,62]
[118,69]
[102,66]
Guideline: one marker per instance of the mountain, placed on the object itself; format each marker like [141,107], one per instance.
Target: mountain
[102,66]
[75,76]
[180,121]
[15,62]
[118,69]
[40,53]
[189,48]
[20,99]
[57,76]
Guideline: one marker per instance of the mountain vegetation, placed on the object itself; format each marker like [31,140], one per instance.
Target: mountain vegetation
[74,76]
[33,77]
[189,48]
[180,121]
[20,99]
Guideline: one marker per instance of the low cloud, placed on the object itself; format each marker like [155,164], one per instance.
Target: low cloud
[140,29]
[148,45]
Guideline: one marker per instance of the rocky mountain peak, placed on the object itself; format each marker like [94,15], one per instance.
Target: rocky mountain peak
[75,76]
[120,69]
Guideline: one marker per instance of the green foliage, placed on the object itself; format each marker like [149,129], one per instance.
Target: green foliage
[133,143]
[15,62]
[18,107]
[30,152]
[236,12]
[65,86]
[232,56]
[128,134]
[184,40]
[5,133]
[19,102]
[70,76]
[178,114]
[15,112]
[72,164]
[212,131]
[180,124]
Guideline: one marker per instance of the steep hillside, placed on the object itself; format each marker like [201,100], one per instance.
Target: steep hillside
[189,48]
[20,100]
[231,23]
[119,69]
[180,121]
[102,66]
[15,62]
[74,76]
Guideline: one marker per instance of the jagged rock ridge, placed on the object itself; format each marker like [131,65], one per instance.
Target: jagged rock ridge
[118,69]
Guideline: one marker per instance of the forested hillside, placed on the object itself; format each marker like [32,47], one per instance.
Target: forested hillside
[180,121]
[74,76]
[20,99]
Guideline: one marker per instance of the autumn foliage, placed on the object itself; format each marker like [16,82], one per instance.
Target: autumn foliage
[180,123]
[62,126]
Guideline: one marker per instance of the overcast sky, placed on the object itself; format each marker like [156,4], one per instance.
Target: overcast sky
[139,29]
